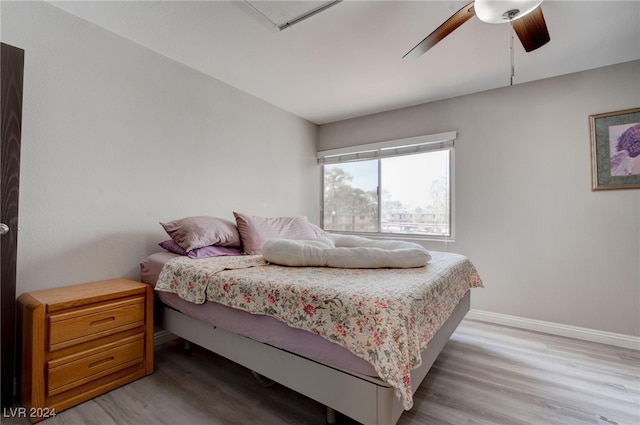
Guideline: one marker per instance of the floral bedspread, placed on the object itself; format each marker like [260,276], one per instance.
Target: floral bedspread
[385,316]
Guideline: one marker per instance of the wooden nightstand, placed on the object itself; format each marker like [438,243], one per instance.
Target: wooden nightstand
[81,341]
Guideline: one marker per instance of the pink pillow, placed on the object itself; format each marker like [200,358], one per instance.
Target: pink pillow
[204,252]
[196,232]
[254,231]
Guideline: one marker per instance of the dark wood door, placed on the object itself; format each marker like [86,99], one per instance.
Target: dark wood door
[11,66]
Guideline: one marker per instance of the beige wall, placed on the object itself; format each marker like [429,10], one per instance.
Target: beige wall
[117,138]
[547,247]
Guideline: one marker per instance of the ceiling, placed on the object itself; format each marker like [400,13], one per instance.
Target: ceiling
[346,60]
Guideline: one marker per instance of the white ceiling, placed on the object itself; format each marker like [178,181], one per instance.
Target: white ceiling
[346,61]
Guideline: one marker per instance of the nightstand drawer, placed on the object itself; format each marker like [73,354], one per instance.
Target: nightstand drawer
[93,322]
[72,371]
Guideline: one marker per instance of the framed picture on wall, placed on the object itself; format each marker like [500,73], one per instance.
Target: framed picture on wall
[615,150]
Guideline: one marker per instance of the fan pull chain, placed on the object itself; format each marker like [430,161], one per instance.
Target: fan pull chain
[511,50]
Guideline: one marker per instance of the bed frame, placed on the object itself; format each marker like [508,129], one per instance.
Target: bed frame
[366,399]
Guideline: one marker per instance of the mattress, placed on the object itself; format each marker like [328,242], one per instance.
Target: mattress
[261,328]
[384,316]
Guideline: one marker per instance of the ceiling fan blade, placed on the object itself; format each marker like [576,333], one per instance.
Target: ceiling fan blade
[532,30]
[458,18]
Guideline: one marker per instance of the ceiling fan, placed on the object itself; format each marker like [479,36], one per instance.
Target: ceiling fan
[525,16]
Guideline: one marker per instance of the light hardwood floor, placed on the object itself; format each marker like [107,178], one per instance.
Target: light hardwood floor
[486,375]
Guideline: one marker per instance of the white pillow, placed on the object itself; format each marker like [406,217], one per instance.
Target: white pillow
[345,251]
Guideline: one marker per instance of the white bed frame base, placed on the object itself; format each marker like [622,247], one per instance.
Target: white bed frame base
[366,399]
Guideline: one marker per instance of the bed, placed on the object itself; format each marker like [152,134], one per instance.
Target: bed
[359,341]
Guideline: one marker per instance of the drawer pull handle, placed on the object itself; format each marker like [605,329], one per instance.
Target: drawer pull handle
[101,362]
[102,321]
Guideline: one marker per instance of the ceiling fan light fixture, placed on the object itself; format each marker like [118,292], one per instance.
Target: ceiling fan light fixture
[501,11]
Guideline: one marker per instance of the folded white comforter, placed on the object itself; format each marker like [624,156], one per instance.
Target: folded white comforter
[345,251]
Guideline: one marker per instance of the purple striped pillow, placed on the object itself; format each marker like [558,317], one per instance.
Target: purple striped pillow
[254,231]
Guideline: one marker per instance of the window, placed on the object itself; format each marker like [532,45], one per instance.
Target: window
[398,187]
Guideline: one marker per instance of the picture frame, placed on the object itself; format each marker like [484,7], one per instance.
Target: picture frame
[615,150]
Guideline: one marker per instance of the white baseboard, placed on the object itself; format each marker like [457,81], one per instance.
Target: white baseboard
[593,335]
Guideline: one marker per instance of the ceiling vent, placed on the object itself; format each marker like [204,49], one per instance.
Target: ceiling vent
[279,15]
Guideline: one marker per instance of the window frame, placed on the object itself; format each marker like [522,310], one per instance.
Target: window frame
[387,149]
